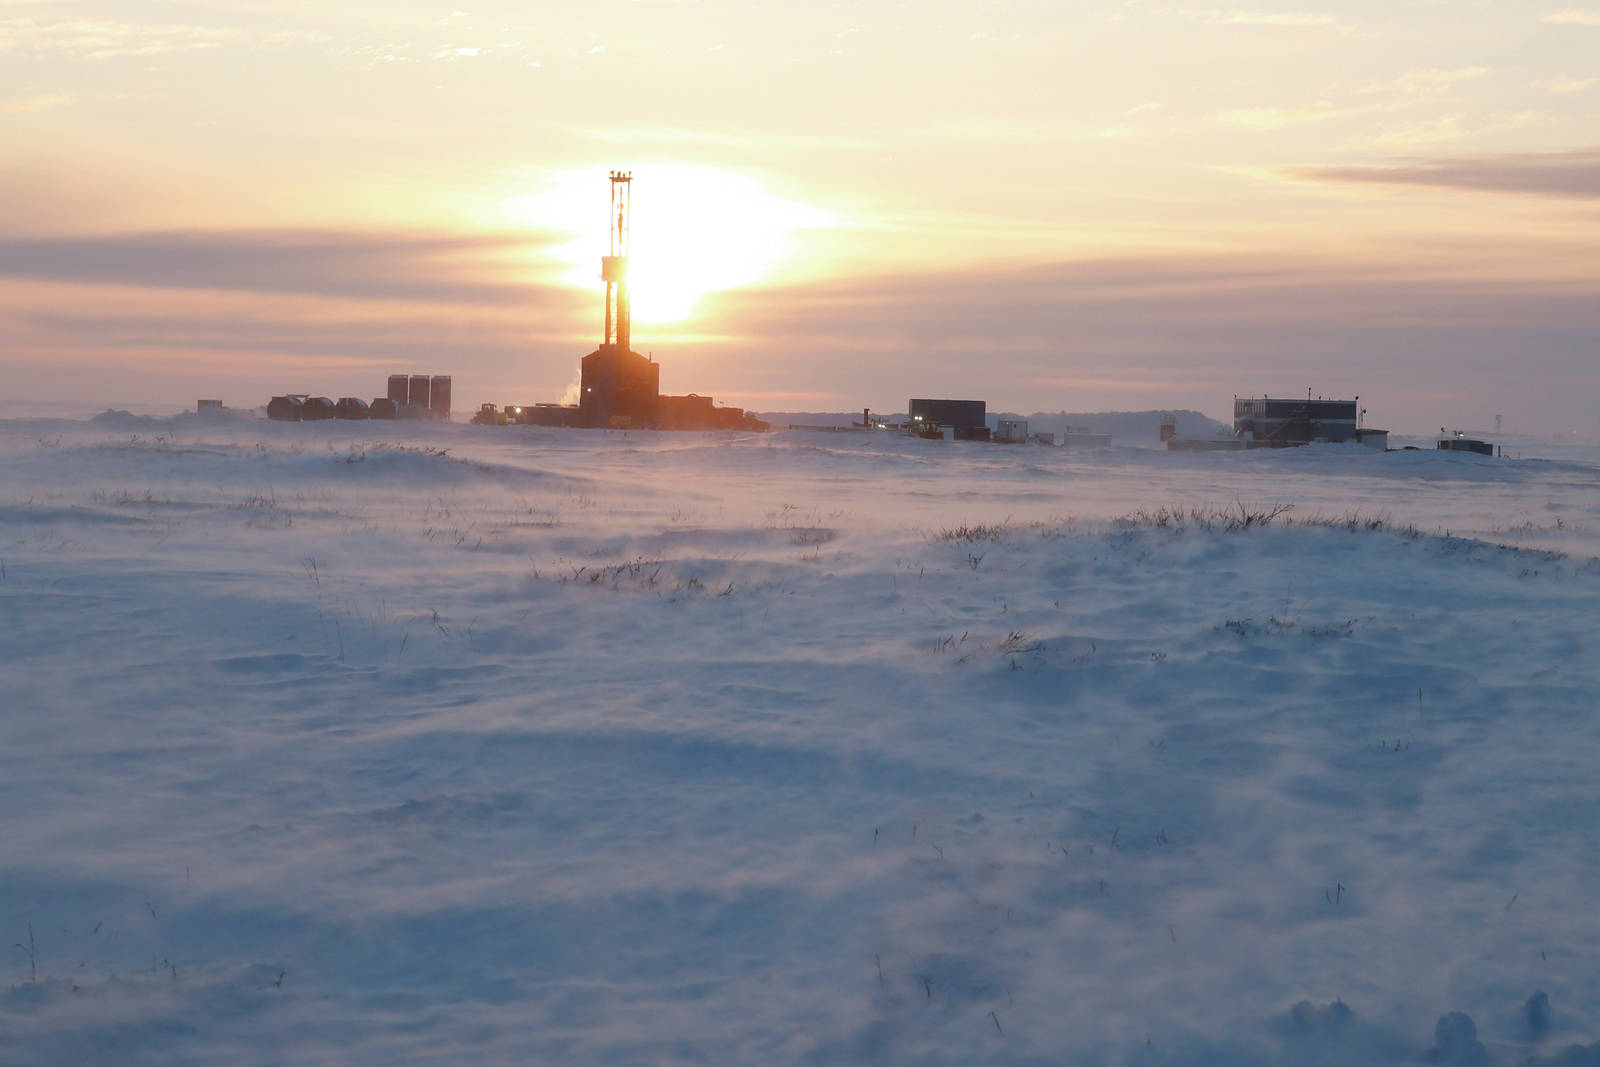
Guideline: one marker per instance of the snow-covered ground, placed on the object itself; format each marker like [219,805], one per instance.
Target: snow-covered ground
[378,744]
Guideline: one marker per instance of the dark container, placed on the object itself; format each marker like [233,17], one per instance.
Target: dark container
[351,407]
[399,389]
[382,408]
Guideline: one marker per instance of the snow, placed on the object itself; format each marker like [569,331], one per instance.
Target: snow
[386,744]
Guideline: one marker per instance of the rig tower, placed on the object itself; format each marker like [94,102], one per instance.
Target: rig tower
[614,267]
[620,387]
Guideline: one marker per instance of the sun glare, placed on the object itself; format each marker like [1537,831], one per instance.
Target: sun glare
[695,230]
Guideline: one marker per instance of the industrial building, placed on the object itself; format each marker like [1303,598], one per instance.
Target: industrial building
[1268,422]
[956,420]
[1278,423]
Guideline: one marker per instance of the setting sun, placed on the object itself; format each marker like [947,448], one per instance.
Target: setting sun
[694,230]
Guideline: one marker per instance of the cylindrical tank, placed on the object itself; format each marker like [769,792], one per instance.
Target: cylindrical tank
[316,407]
[284,408]
[399,388]
[418,395]
[439,396]
[351,407]
[382,408]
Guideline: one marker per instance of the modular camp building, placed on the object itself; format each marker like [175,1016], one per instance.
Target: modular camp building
[1274,422]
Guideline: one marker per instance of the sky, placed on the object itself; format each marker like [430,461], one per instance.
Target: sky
[1117,205]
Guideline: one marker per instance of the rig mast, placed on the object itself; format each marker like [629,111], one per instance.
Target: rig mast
[614,267]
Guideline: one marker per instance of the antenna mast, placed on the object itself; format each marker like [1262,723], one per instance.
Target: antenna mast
[614,267]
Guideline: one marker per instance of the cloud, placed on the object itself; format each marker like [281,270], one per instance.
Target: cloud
[90,39]
[1276,118]
[1566,85]
[1442,128]
[1258,17]
[1016,130]
[35,102]
[1231,316]
[745,139]
[1430,82]
[1567,175]
[1396,94]
[352,265]
[94,39]
[1574,17]
[1271,18]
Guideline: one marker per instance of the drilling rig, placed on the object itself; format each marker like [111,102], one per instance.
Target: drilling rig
[619,387]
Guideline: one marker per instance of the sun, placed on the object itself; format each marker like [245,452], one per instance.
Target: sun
[695,230]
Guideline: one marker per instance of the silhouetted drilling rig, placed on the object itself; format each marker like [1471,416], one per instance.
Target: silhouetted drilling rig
[620,388]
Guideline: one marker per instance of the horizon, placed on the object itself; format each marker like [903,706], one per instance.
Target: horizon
[1131,208]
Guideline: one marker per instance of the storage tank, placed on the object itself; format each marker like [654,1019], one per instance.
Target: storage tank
[351,407]
[399,389]
[316,407]
[382,408]
[284,408]
[439,396]
[418,394]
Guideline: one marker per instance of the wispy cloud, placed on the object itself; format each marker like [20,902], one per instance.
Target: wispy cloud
[1264,18]
[339,264]
[33,102]
[100,39]
[743,138]
[1280,117]
[1562,86]
[95,39]
[1574,17]
[1010,130]
[1430,131]
[1567,175]
[1413,84]
[1395,94]
[1277,118]
[1271,18]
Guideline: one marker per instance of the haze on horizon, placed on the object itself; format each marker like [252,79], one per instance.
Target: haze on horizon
[1121,205]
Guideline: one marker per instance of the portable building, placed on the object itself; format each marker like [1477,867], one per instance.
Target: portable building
[1011,431]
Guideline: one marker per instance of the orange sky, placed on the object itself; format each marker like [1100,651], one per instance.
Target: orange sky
[1105,206]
